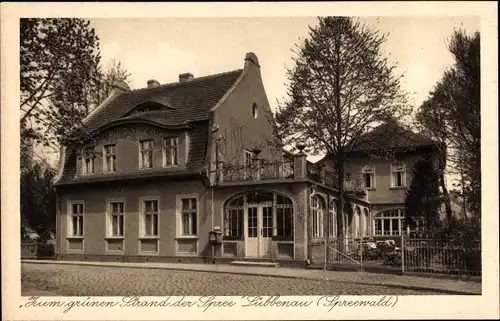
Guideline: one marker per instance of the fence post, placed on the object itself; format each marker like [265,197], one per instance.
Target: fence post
[402,253]
[362,249]
[326,255]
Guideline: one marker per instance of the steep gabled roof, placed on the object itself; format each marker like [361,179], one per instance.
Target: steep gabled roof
[184,101]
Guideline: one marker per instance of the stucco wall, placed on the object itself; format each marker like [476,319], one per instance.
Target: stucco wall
[235,118]
[126,138]
[95,200]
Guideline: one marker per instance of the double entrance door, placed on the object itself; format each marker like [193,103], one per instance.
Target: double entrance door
[258,227]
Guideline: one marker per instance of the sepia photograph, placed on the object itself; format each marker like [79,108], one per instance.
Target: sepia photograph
[252,157]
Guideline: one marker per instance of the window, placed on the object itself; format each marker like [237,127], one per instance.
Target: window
[357,214]
[146,154]
[284,216]
[76,222]
[255,111]
[332,219]
[364,223]
[398,175]
[116,219]
[170,151]
[368,173]
[189,217]
[150,218]
[88,161]
[389,222]
[248,158]
[317,217]
[109,158]
[233,219]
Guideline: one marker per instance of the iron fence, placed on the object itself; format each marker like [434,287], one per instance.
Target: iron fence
[450,257]
[428,256]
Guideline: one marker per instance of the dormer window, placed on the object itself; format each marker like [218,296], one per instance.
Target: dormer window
[255,111]
[170,151]
[88,161]
[146,153]
[109,158]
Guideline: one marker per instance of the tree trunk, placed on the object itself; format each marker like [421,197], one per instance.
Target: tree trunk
[340,214]
[446,196]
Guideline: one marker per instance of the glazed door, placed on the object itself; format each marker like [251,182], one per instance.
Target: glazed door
[259,230]
[252,235]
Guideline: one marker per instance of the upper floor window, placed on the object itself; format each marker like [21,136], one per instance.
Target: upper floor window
[88,161]
[368,173]
[255,111]
[146,153]
[248,157]
[109,158]
[170,151]
[398,175]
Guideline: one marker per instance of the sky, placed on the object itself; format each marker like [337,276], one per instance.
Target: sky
[163,48]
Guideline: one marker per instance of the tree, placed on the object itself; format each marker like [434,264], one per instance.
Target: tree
[56,55]
[452,114]
[423,198]
[38,199]
[340,86]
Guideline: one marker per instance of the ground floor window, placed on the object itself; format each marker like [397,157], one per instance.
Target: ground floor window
[317,208]
[389,222]
[149,217]
[76,223]
[332,219]
[116,218]
[188,216]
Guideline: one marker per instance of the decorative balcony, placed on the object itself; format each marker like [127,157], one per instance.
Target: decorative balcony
[258,170]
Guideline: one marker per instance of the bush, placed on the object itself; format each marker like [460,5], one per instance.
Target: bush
[45,250]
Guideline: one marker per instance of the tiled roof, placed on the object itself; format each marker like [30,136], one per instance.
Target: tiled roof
[185,103]
[391,135]
[191,99]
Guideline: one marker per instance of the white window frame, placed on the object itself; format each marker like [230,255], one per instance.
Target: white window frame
[174,159]
[70,233]
[332,219]
[141,151]
[381,217]
[369,169]
[365,214]
[179,226]
[317,212]
[398,168]
[356,222]
[109,218]
[90,158]
[142,214]
[106,156]
[180,212]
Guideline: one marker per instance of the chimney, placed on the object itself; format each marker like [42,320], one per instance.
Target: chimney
[185,77]
[152,83]
[250,57]
[120,85]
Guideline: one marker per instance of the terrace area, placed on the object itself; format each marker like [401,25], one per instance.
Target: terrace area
[293,168]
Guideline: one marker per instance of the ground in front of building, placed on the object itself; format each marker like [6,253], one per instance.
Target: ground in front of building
[77,280]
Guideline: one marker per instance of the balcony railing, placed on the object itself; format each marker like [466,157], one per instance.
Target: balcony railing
[256,171]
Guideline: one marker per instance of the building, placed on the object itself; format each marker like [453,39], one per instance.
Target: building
[161,167]
[382,165]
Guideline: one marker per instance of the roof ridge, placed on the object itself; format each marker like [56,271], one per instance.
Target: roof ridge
[194,80]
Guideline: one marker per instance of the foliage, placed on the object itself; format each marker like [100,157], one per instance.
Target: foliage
[451,114]
[340,86]
[38,199]
[423,198]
